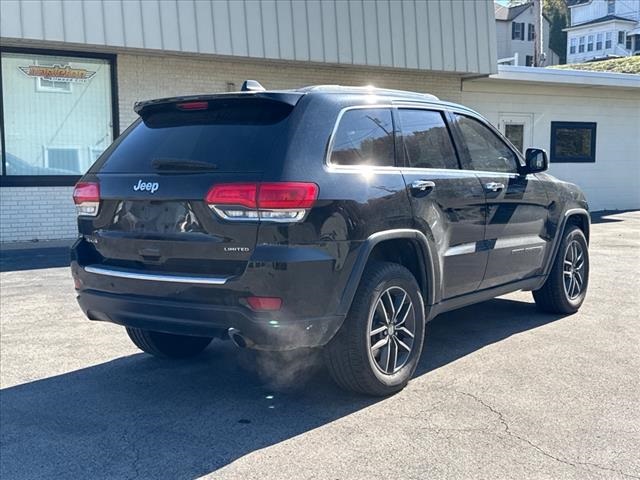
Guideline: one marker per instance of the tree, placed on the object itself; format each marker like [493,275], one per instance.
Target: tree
[557,13]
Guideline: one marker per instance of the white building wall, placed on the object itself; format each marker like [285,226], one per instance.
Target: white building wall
[613,181]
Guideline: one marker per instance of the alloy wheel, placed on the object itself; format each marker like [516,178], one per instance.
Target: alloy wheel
[392,328]
[573,270]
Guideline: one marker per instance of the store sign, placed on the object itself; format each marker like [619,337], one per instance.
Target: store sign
[58,73]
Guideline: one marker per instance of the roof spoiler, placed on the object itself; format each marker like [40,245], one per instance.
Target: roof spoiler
[290,98]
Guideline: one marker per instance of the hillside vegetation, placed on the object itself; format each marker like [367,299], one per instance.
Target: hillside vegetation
[616,65]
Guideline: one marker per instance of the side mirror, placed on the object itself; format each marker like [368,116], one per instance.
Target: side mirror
[536,160]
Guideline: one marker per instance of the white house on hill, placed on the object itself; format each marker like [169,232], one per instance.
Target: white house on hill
[515,34]
[602,28]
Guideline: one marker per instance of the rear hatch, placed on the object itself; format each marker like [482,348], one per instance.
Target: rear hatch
[154,179]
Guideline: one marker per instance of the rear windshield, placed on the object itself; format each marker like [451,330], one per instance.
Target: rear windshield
[234,135]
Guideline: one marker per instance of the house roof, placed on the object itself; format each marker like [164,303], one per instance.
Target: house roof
[607,18]
[505,13]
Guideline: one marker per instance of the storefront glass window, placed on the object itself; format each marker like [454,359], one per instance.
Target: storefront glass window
[57,113]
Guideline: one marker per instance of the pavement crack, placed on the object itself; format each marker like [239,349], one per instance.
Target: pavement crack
[510,433]
[133,447]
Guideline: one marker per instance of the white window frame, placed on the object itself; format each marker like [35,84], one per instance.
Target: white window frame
[608,40]
[573,45]
[599,37]
[590,43]
[78,149]
[44,88]
[582,44]
[611,7]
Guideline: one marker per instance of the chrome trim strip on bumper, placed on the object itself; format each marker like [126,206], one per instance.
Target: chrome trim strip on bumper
[155,277]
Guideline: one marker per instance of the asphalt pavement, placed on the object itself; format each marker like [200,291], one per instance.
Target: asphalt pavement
[502,392]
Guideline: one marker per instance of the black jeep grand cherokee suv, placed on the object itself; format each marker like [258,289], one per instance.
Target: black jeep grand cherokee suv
[334,217]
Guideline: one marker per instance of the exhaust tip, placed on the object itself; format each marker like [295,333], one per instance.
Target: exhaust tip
[236,337]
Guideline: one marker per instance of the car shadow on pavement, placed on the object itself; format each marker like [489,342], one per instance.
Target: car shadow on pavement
[34,258]
[137,416]
[607,216]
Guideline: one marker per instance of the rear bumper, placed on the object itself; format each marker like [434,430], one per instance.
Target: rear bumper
[266,331]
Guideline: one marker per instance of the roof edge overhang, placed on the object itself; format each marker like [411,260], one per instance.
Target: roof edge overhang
[591,24]
[577,78]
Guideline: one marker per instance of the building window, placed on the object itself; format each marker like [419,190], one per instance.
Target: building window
[581,45]
[62,158]
[574,44]
[628,44]
[531,32]
[47,85]
[49,138]
[611,7]
[529,61]
[517,31]
[573,142]
[621,36]
[599,42]
[607,40]
[590,44]
[515,133]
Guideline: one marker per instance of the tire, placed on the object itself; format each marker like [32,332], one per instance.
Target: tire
[166,345]
[555,296]
[349,356]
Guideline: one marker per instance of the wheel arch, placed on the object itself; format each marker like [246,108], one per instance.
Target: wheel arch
[581,219]
[573,216]
[391,245]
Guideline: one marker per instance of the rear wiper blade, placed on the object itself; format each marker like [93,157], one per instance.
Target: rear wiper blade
[182,164]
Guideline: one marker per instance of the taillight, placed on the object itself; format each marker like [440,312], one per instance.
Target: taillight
[86,196]
[275,201]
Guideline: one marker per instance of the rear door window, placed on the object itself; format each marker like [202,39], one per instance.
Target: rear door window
[364,137]
[426,139]
[235,135]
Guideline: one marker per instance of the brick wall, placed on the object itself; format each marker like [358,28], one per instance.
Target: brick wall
[36,213]
[142,77]
[47,213]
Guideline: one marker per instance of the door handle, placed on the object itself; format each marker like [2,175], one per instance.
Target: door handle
[422,185]
[494,186]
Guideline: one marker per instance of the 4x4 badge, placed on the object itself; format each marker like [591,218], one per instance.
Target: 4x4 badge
[146,186]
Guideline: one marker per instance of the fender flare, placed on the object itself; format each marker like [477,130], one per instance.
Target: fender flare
[427,251]
[560,233]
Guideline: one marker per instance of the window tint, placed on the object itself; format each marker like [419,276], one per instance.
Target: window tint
[487,151]
[426,140]
[364,137]
[233,135]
